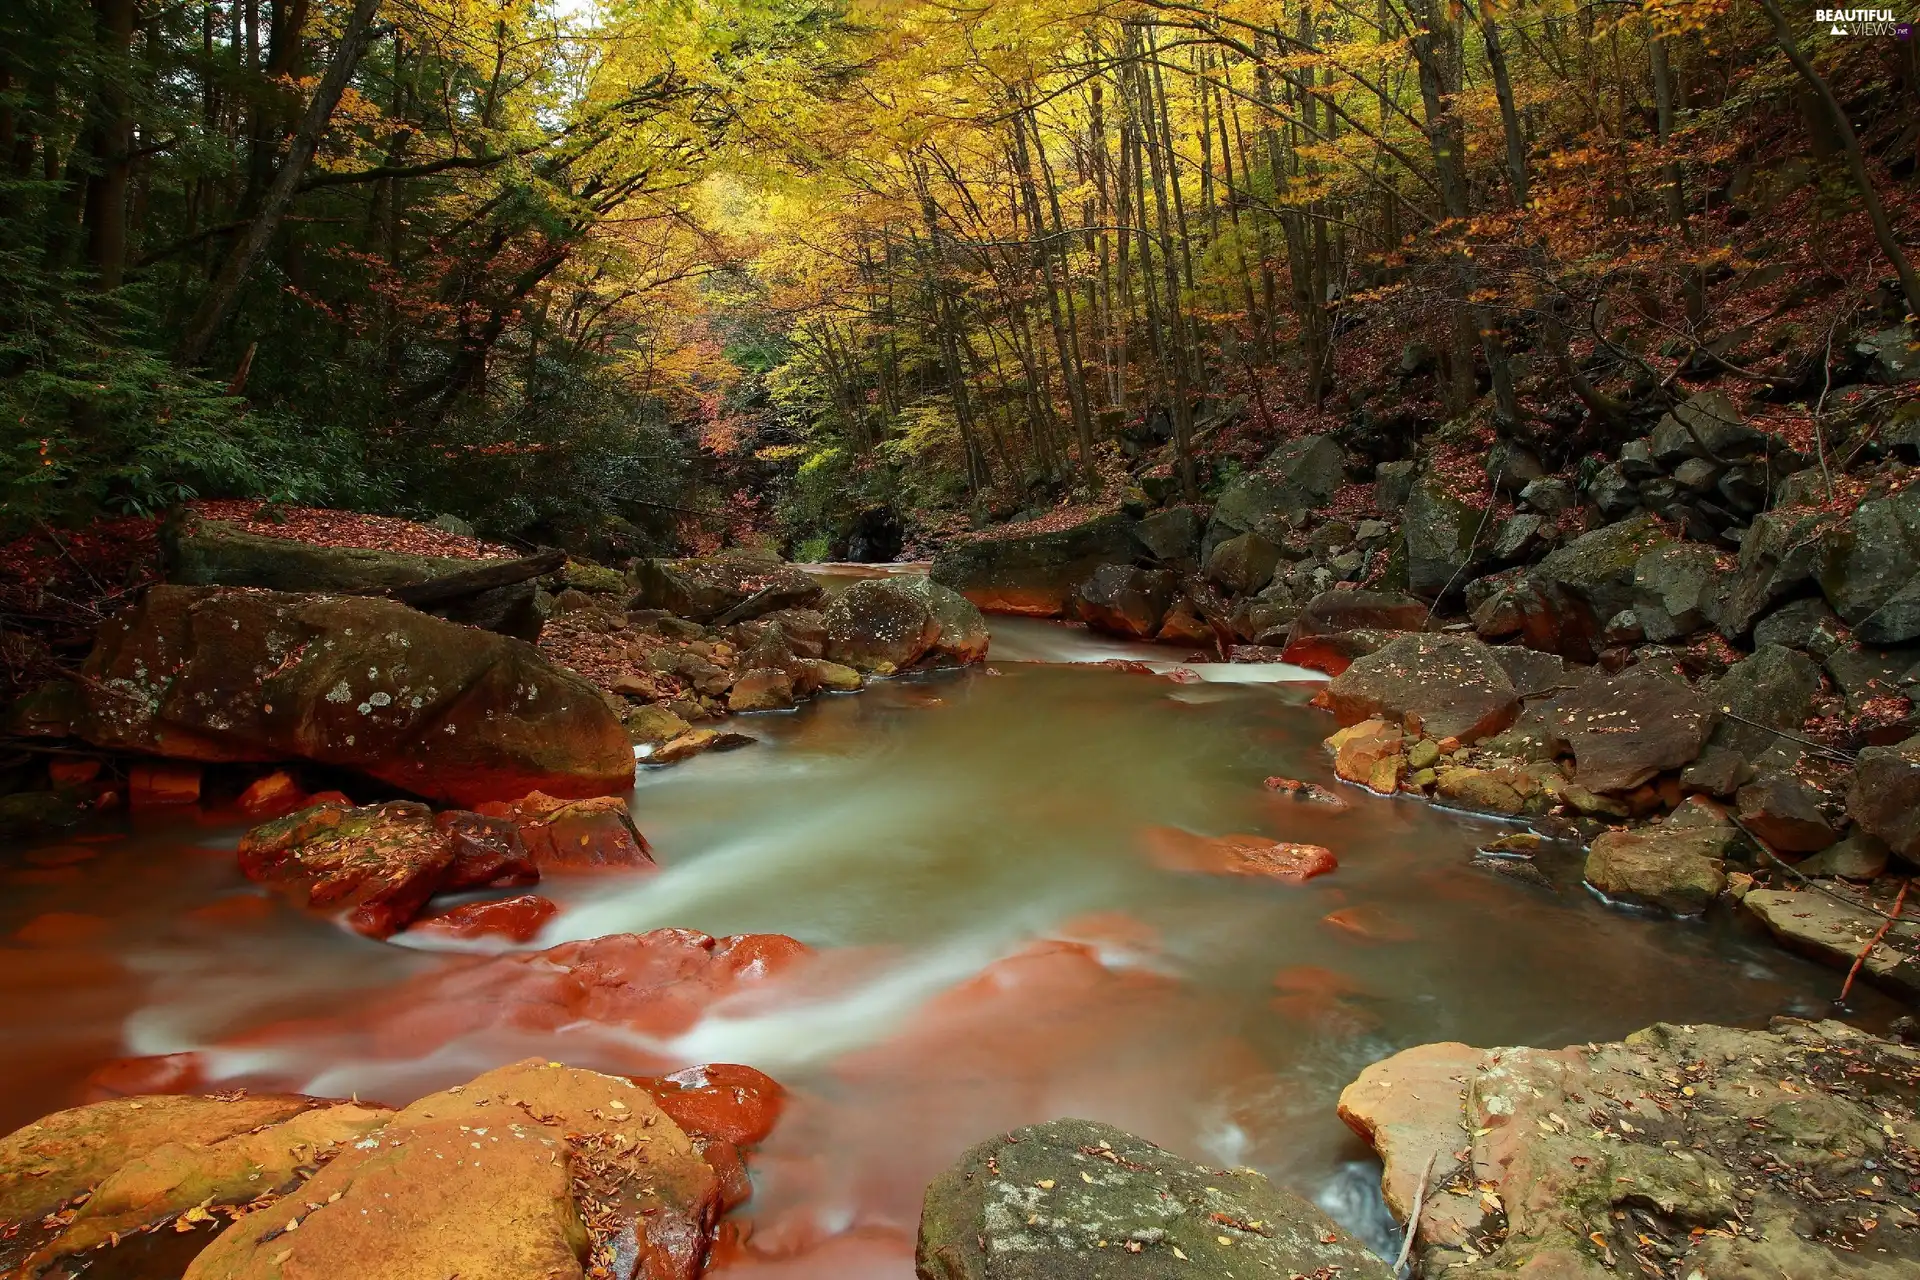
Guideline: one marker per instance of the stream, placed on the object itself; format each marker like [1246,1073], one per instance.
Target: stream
[972,854]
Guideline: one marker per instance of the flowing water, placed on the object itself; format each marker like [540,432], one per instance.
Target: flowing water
[973,856]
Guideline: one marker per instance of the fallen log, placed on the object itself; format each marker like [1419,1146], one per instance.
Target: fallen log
[484,577]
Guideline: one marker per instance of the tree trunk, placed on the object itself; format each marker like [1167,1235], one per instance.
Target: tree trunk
[110,141]
[253,241]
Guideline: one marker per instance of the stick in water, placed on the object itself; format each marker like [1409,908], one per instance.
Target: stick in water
[1413,1219]
[1873,942]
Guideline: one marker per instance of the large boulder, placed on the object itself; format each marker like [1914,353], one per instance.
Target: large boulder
[706,588]
[380,863]
[1786,812]
[1452,685]
[1675,589]
[1885,799]
[1243,564]
[1440,531]
[75,1182]
[1623,730]
[1314,464]
[1123,600]
[1332,612]
[1773,689]
[1549,1163]
[441,710]
[1172,535]
[1270,506]
[1034,571]
[1678,865]
[529,1170]
[1565,602]
[1077,1200]
[1705,425]
[891,624]
[1838,928]
[1778,558]
[1867,565]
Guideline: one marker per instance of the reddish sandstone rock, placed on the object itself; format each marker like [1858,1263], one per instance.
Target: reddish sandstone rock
[1238,855]
[1369,923]
[579,835]
[1368,753]
[1625,729]
[443,710]
[1123,600]
[730,1104]
[488,853]
[1033,568]
[515,919]
[382,861]
[154,784]
[1452,685]
[1407,1109]
[1333,653]
[273,796]
[891,624]
[1332,612]
[1307,793]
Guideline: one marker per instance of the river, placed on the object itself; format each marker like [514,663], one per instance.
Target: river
[972,854]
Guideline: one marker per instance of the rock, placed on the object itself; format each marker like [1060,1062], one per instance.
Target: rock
[1891,356]
[1393,484]
[1267,505]
[273,796]
[1368,751]
[441,710]
[1333,612]
[1258,857]
[1565,601]
[515,919]
[1858,857]
[1243,564]
[1549,496]
[1334,653]
[141,1162]
[1674,589]
[761,689]
[1034,573]
[578,835]
[891,624]
[382,862]
[1625,729]
[488,853]
[1697,475]
[1705,425]
[1775,688]
[696,742]
[810,675]
[1184,625]
[422,1202]
[1122,600]
[1314,464]
[1612,493]
[655,724]
[1517,537]
[1440,531]
[1575,1156]
[215,553]
[1533,673]
[1636,462]
[805,630]
[1452,685]
[159,784]
[1885,799]
[1835,933]
[707,587]
[1679,866]
[1173,535]
[1786,813]
[1866,568]
[1778,557]
[25,814]
[1807,625]
[447,522]
[1865,673]
[1478,790]
[1512,467]
[1076,1200]
[1718,771]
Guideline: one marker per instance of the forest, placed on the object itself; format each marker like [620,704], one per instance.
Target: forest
[638,275]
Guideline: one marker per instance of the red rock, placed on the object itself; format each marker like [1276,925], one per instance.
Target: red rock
[516,919]
[330,797]
[580,835]
[1333,654]
[1369,923]
[736,1187]
[381,861]
[1364,752]
[69,771]
[1307,792]
[273,796]
[1238,855]
[61,929]
[487,853]
[1453,684]
[727,1103]
[151,784]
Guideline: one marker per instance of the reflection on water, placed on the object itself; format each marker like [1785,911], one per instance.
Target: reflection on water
[966,849]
